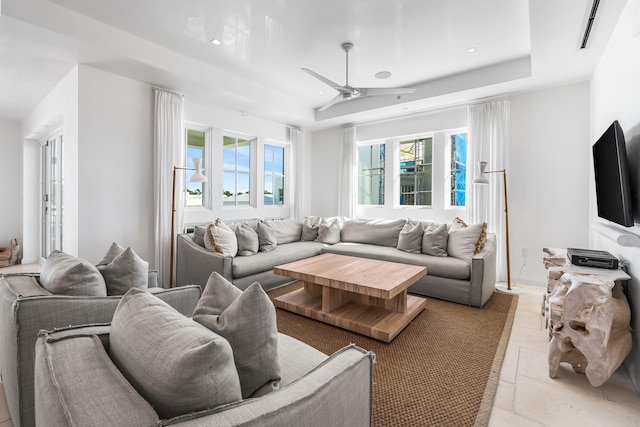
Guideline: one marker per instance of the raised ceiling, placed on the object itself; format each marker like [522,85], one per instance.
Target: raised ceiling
[519,45]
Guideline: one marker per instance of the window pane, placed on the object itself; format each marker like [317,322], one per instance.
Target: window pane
[416,172]
[268,190]
[364,157]
[268,158]
[278,160]
[195,150]
[377,190]
[278,190]
[364,185]
[229,154]
[371,174]
[229,188]
[458,169]
[243,155]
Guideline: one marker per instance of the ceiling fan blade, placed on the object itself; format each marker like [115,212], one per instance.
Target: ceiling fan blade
[335,100]
[333,84]
[386,91]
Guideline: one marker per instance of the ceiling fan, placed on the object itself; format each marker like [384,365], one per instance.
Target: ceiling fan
[349,92]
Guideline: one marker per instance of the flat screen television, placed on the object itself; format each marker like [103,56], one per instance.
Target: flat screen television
[613,187]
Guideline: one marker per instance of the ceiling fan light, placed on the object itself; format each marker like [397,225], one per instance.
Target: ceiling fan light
[216,42]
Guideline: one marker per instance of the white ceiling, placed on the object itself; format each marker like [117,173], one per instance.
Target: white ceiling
[520,45]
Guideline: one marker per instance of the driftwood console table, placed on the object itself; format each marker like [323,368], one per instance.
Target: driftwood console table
[588,318]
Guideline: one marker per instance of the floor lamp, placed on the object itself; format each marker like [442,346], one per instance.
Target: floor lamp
[196,177]
[482,179]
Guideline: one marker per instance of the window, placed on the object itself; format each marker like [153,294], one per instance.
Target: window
[416,170]
[457,169]
[273,175]
[51,187]
[371,174]
[195,150]
[236,171]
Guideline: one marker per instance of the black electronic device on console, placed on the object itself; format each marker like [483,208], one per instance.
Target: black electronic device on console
[592,258]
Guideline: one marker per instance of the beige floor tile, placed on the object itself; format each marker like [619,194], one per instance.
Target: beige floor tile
[529,338]
[534,364]
[529,319]
[4,410]
[537,401]
[502,418]
[504,396]
[619,389]
[510,364]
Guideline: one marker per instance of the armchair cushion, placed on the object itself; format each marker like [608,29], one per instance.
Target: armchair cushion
[163,355]
[122,269]
[248,321]
[64,274]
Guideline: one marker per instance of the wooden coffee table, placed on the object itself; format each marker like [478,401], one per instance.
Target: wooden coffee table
[362,295]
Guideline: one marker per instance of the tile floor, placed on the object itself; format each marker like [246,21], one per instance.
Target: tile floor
[526,396]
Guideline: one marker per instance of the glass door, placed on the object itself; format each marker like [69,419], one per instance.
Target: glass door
[51,174]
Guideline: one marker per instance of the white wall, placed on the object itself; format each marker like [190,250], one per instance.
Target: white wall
[548,175]
[615,89]
[11,184]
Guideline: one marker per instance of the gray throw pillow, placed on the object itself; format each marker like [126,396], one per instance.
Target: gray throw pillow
[266,237]
[248,243]
[122,270]
[410,238]
[310,229]
[198,234]
[248,321]
[64,274]
[434,240]
[176,364]
[287,230]
[464,241]
[329,232]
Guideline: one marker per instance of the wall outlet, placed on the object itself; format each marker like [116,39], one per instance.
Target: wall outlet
[524,252]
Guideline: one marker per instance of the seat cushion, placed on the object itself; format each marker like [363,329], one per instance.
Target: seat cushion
[176,364]
[248,321]
[282,254]
[449,267]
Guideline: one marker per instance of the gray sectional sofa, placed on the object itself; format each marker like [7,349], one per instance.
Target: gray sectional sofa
[467,278]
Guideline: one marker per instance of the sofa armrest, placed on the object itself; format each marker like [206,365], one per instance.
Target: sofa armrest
[337,392]
[102,397]
[194,264]
[483,272]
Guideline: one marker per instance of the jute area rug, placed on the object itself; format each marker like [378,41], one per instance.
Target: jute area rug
[441,370]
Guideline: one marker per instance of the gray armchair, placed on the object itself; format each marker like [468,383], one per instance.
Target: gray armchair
[26,308]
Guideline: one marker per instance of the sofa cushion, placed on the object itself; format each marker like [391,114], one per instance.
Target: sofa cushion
[410,238]
[329,231]
[64,274]
[175,363]
[265,261]
[266,236]
[463,242]
[449,267]
[248,321]
[310,227]
[383,232]
[123,269]
[247,237]
[199,232]
[287,230]
[221,239]
[434,240]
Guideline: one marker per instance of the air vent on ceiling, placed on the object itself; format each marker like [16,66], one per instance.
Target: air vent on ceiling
[592,17]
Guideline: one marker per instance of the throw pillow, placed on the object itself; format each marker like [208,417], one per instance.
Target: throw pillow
[287,230]
[329,232]
[248,243]
[176,364]
[457,224]
[198,234]
[434,240]
[248,321]
[65,274]
[410,238]
[123,271]
[310,229]
[221,239]
[266,237]
[463,242]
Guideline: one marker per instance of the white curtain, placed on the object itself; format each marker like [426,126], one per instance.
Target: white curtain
[296,139]
[168,138]
[489,129]
[347,179]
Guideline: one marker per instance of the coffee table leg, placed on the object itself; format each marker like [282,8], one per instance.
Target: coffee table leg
[333,299]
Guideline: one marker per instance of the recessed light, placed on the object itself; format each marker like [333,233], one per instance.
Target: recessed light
[320,92]
[216,42]
[383,75]
[471,50]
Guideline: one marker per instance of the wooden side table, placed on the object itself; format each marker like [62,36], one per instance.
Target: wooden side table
[588,319]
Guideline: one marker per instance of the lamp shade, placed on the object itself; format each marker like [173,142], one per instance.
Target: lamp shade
[481,178]
[197,176]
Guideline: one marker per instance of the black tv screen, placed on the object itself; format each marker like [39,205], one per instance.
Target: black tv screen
[613,190]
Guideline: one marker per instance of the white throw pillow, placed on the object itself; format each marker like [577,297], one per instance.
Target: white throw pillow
[221,239]
[464,243]
[329,232]
[248,321]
